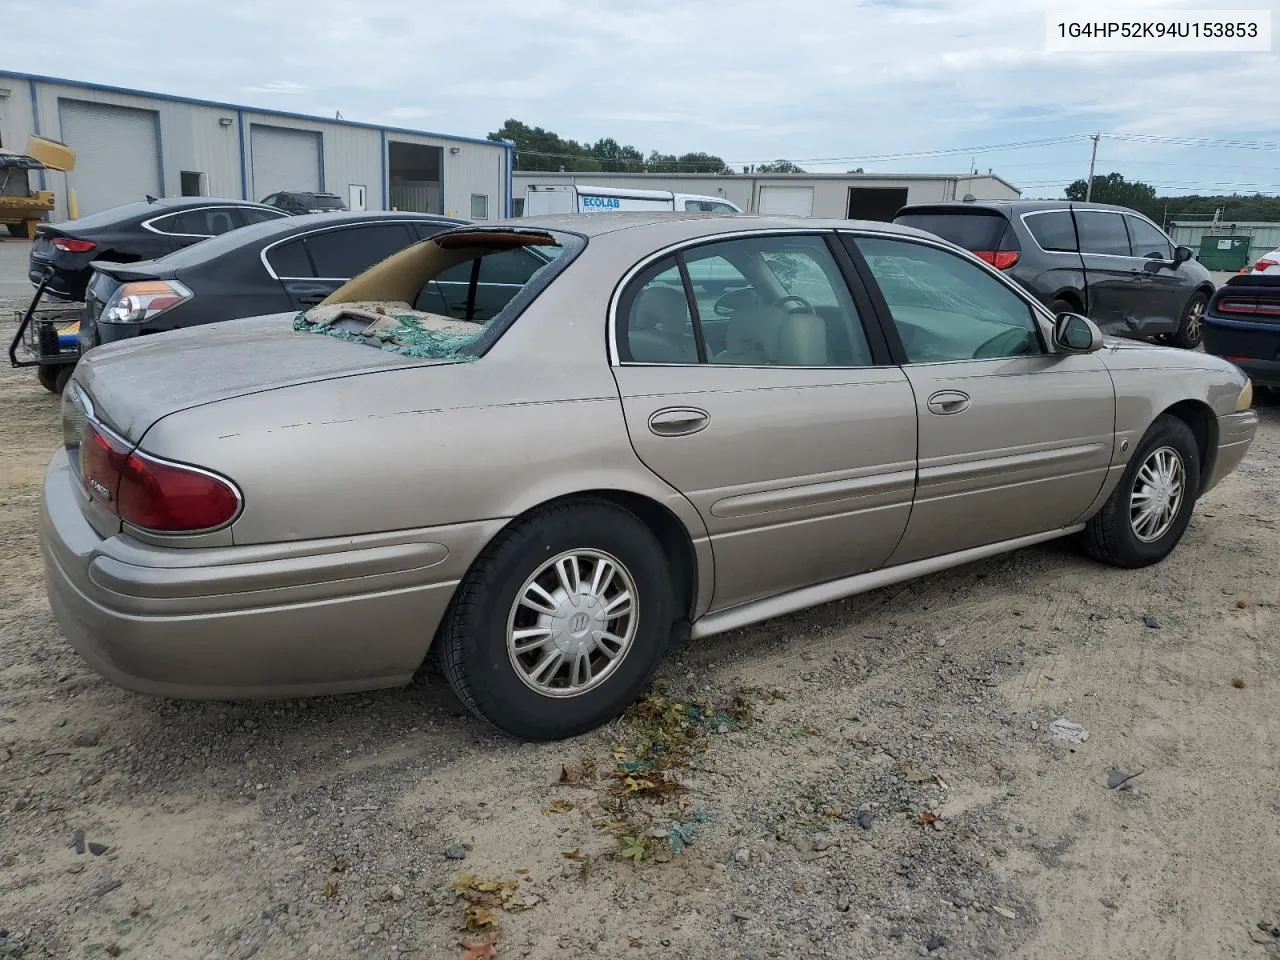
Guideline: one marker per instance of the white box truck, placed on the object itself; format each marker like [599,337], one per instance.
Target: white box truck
[579,198]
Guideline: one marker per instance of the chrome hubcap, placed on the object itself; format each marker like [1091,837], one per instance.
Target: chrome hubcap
[573,622]
[1157,494]
[1194,317]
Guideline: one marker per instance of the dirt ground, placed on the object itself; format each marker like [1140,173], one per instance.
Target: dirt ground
[886,786]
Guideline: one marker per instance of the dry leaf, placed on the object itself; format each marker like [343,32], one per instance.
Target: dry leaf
[570,854]
[331,889]
[798,886]
[926,817]
[480,948]
[478,917]
[339,864]
[1238,682]
[576,774]
[559,806]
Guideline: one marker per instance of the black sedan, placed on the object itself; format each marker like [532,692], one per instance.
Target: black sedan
[1242,324]
[286,264]
[135,231]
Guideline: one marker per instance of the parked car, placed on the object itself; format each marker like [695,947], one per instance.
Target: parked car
[1268,263]
[1242,324]
[288,263]
[299,503]
[295,202]
[1108,262]
[143,230]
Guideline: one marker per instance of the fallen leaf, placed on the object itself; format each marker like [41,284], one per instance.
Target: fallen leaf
[331,889]
[798,886]
[570,854]
[1240,604]
[339,864]
[522,870]
[926,817]
[559,806]
[1238,682]
[482,948]
[633,848]
[912,775]
[478,917]
[578,773]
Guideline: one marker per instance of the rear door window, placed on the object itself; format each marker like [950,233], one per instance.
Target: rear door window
[346,252]
[289,260]
[1102,233]
[257,214]
[200,223]
[1053,230]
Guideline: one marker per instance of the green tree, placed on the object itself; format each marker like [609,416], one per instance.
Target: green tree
[700,163]
[779,166]
[539,149]
[617,158]
[1114,188]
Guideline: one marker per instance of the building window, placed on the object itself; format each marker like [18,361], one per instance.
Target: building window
[479,206]
[517,207]
[192,183]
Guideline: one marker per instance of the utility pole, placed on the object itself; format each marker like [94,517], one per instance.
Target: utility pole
[1088,190]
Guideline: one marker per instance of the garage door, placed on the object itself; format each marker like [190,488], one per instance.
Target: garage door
[284,159]
[787,201]
[117,153]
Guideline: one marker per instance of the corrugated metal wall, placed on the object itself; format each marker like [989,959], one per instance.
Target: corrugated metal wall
[830,194]
[1264,236]
[212,139]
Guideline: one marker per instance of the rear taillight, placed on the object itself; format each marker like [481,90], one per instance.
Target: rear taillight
[71,245]
[1000,259]
[144,300]
[149,493]
[1263,265]
[1250,305]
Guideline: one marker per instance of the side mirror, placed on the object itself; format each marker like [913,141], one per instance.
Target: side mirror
[1181,255]
[1073,333]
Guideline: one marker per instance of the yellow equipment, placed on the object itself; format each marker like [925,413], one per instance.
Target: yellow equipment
[21,207]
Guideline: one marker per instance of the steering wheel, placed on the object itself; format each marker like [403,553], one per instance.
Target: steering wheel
[734,300]
[1008,343]
[804,305]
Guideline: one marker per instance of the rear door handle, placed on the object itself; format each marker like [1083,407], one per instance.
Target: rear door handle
[946,402]
[678,421]
[311,298]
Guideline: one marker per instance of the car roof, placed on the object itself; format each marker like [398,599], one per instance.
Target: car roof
[1011,206]
[146,209]
[680,225]
[259,234]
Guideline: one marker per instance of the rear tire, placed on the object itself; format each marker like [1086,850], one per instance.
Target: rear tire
[54,377]
[1063,306]
[493,645]
[1190,330]
[1119,534]
[17,230]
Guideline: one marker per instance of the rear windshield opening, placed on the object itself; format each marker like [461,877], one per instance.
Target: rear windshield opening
[973,231]
[437,299]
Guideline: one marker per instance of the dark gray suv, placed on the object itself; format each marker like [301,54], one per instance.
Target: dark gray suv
[1109,263]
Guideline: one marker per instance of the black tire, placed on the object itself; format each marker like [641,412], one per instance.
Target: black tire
[1190,330]
[1110,537]
[54,377]
[473,647]
[1063,306]
[64,377]
[17,230]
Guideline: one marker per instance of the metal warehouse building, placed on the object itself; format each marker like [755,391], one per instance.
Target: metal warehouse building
[855,196]
[130,143]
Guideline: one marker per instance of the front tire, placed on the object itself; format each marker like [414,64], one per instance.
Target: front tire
[1191,324]
[1147,513]
[561,622]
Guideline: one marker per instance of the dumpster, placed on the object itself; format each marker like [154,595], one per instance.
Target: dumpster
[1224,253]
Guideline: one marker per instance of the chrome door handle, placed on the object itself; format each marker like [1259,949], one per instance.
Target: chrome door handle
[946,402]
[678,421]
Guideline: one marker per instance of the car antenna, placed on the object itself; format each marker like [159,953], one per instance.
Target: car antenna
[150,198]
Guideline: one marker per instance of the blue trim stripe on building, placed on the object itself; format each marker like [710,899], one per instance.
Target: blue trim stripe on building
[35,119]
[106,88]
[160,151]
[320,147]
[511,164]
[244,161]
[386,175]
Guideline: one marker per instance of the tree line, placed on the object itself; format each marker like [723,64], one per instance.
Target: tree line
[1235,208]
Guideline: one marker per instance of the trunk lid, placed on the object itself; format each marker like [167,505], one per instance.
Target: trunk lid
[133,384]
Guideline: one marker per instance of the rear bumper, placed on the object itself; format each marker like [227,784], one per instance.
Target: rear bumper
[276,620]
[1235,435]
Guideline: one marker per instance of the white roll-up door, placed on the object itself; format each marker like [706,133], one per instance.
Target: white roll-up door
[117,153]
[787,201]
[284,159]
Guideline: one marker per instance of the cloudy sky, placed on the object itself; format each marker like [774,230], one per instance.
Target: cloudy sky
[871,83]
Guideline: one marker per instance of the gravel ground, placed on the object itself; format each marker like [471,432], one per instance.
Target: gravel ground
[887,786]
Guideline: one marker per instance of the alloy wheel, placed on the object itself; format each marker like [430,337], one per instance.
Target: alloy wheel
[572,623]
[1158,490]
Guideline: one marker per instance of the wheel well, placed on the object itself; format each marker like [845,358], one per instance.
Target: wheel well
[1204,425]
[1206,288]
[1069,296]
[671,534]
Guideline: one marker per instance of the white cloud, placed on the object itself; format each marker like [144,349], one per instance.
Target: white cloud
[749,81]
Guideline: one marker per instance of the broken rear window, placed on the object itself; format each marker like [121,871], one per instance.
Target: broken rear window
[446,298]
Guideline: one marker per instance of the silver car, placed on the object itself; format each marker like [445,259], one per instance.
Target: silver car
[541,448]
